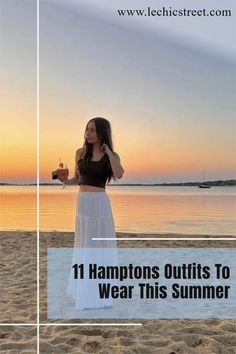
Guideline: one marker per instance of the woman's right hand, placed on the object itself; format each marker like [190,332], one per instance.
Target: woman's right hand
[63,174]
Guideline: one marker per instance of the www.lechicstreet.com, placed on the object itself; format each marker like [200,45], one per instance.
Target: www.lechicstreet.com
[164,11]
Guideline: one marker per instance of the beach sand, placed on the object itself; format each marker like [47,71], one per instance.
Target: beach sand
[19,302]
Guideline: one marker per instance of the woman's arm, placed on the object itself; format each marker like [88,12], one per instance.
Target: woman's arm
[117,169]
[75,179]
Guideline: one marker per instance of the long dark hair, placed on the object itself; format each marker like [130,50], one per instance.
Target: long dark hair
[103,130]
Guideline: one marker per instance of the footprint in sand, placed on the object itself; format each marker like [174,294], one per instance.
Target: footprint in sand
[92,347]
[126,341]
[229,339]
[108,334]
[156,343]
[74,341]
[90,332]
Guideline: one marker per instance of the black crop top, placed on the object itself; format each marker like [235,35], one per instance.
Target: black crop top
[96,173]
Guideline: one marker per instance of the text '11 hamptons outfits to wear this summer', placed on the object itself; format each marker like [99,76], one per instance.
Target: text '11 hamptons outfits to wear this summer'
[94,220]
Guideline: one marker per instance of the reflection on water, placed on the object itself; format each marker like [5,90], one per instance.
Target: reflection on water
[18,208]
[187,210]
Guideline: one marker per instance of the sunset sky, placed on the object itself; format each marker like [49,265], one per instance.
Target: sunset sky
[168,89]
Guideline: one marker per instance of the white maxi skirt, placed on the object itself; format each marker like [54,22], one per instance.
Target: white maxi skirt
[94,220]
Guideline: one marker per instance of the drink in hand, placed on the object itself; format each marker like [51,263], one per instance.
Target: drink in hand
[63,173]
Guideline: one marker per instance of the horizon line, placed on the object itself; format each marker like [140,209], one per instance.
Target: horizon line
[230,182]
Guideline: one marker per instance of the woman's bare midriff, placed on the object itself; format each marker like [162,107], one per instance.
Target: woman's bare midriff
[87,188]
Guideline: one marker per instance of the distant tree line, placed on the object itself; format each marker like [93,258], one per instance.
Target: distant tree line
[230,182]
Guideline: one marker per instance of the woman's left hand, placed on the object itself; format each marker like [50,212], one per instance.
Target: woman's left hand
[114,158]
[106,149]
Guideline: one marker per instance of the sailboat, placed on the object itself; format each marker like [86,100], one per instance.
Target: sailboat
[203,185]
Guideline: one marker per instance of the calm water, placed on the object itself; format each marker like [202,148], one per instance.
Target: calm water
[186,210]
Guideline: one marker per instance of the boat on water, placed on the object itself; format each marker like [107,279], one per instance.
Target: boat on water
[203,184]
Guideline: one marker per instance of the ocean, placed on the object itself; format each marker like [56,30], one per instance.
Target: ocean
[136,209]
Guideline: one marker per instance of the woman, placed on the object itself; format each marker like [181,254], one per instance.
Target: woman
[95,164]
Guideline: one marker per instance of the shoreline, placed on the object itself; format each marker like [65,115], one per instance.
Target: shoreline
[215,183]
[129,234]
